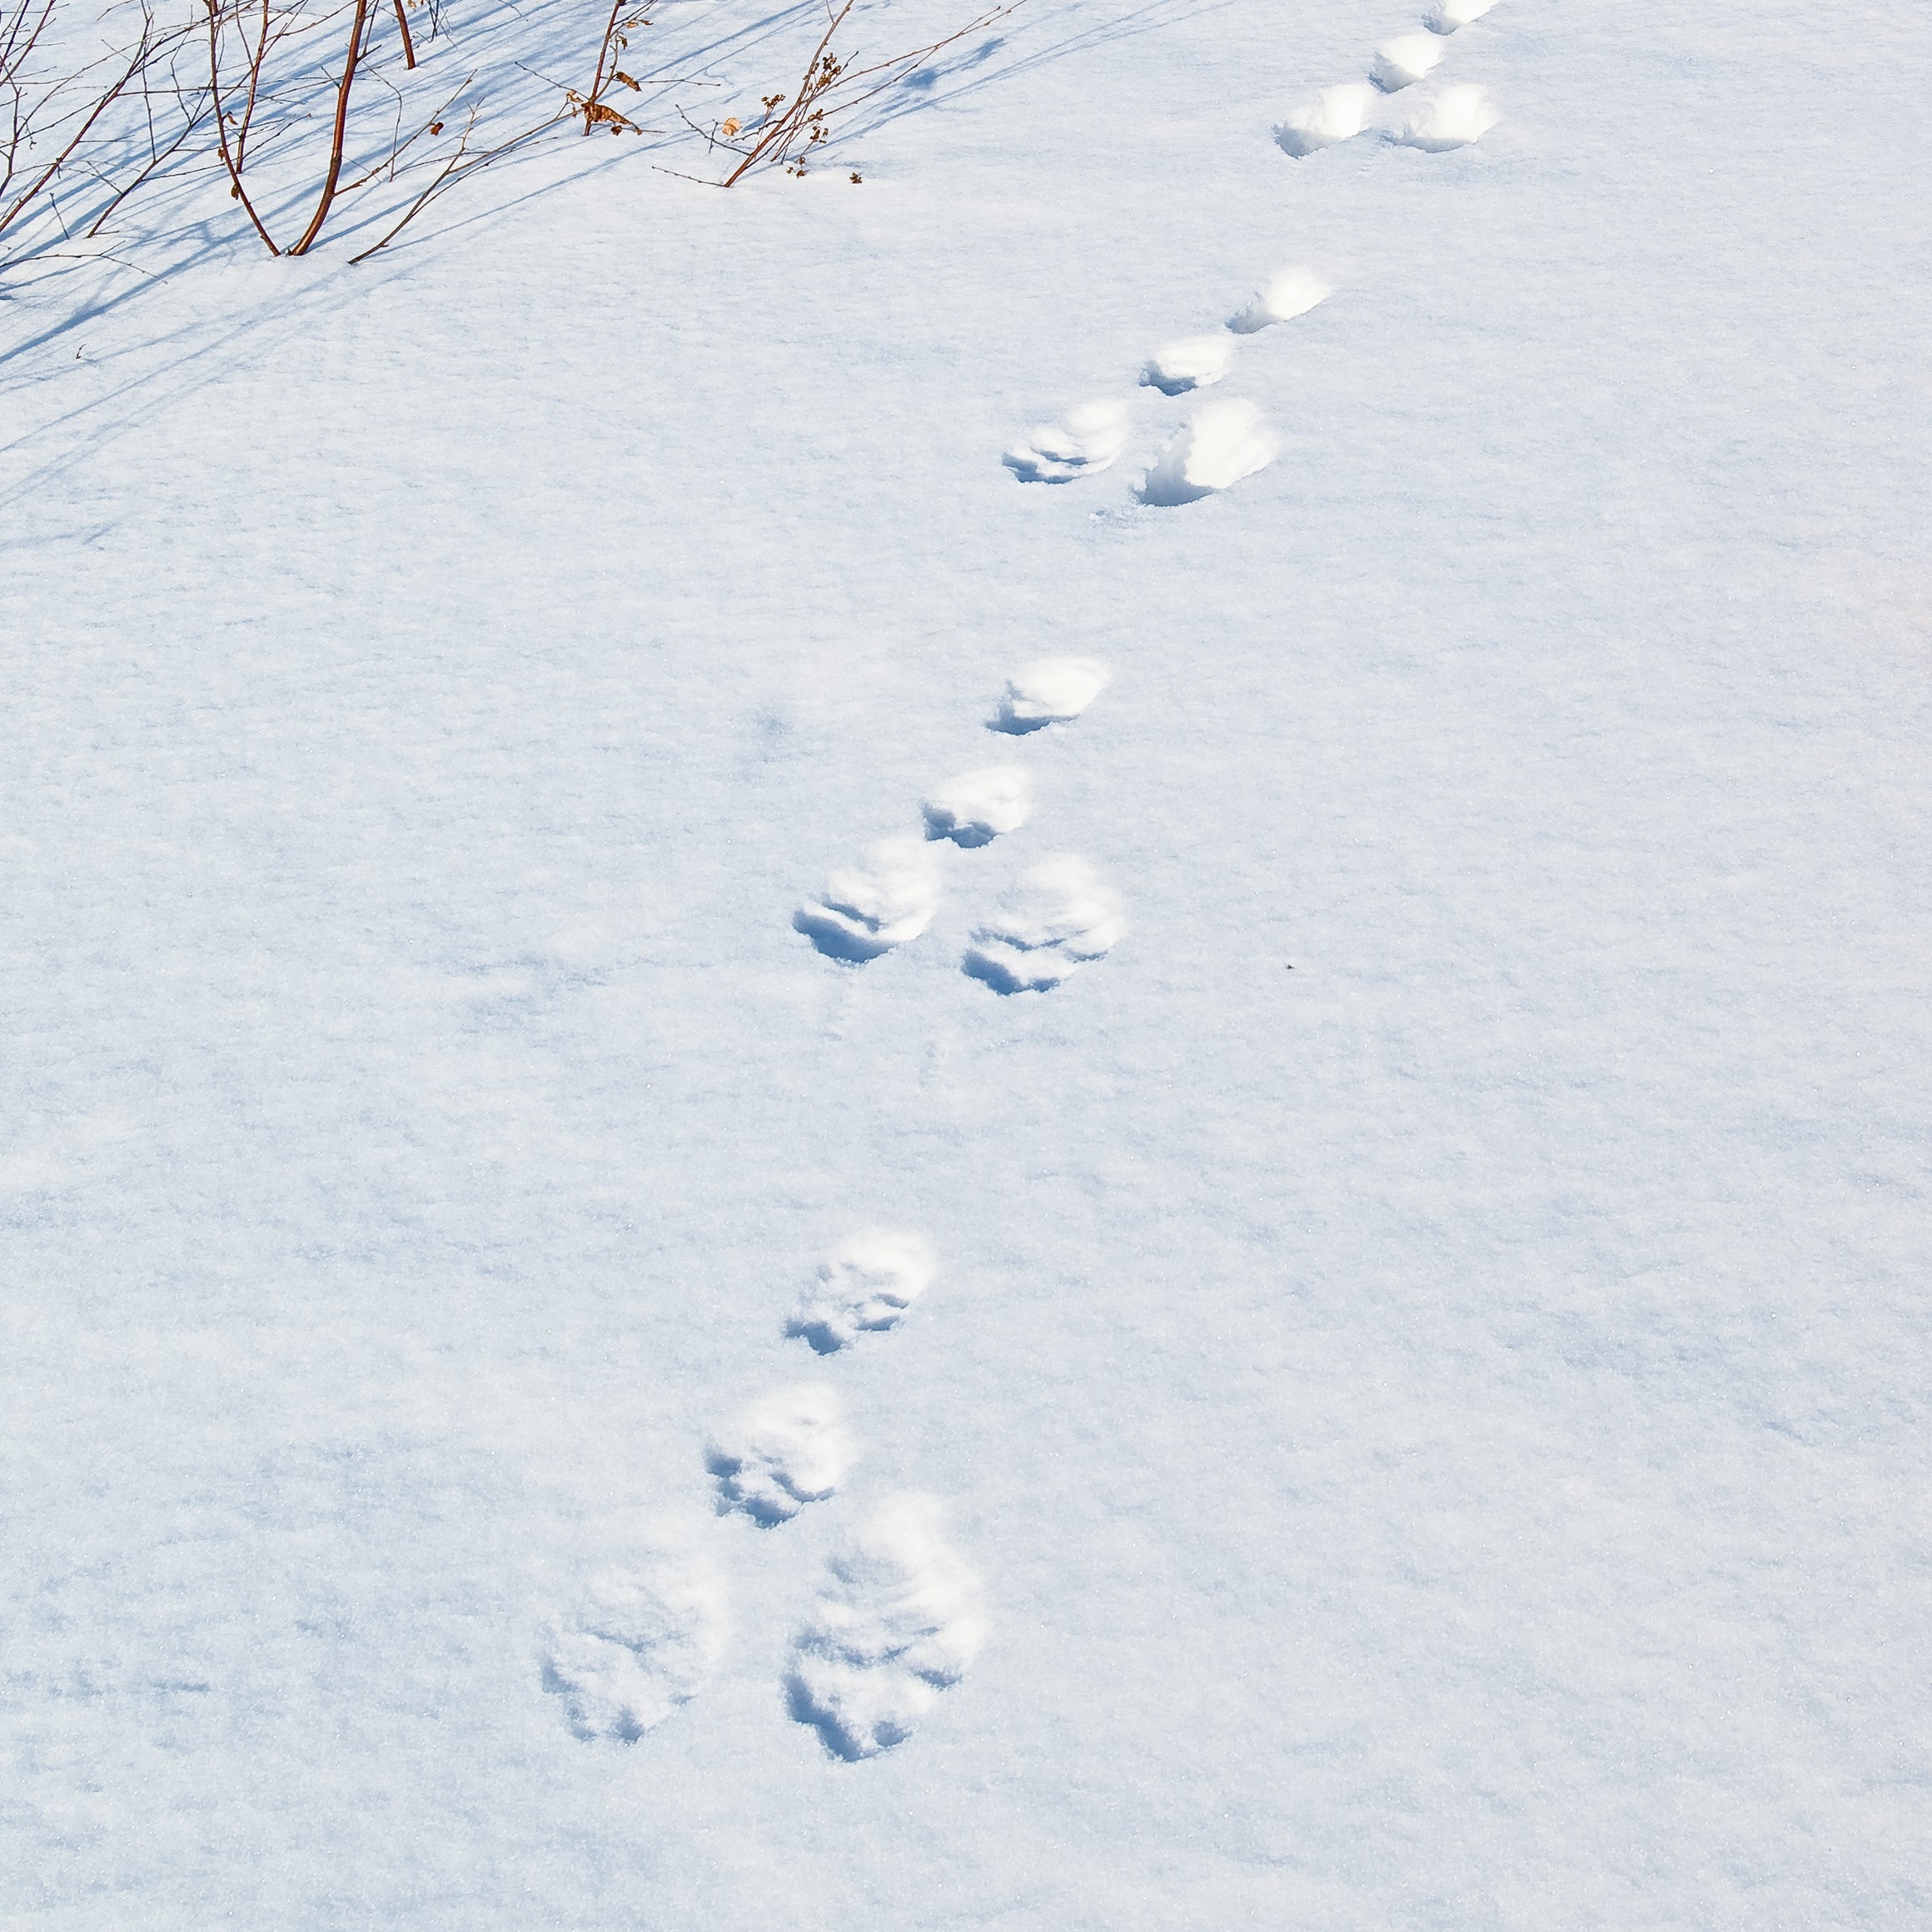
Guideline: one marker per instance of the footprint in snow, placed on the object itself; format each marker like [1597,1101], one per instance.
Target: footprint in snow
[1082,445]
[1448,15]
[1055,691]
[1190,364]
[1335,114]
[1403,62]
[868,909]
[898,1622]
[1453,118]
[1292,293]
[644,1640]
[1058,917]
[1221,444]
[785,1451]
[975,808]
[865,1284]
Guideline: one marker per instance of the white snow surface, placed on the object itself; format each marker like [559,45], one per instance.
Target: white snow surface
[1428,1365]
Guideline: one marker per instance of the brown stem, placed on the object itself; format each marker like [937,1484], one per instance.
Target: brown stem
[228,159]
[603,54]
[408,45]
[787,124]
[335,173]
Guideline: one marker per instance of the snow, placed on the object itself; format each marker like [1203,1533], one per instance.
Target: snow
[1219,445]
[1055,690]
[1194,363]
[1336,114]
[867,1281]
[976,807]
[1421,1369]
[1407,58]
[1288,293]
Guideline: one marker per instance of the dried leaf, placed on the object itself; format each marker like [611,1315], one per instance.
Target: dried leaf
[732,125]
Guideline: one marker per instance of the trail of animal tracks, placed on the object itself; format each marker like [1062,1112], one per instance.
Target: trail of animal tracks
[1040,1044]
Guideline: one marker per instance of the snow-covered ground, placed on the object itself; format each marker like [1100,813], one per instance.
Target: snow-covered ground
[669,1264]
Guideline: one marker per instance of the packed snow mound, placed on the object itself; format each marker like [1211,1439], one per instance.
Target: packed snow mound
[791,1449]
[888,898]
[1448,15]
[1335,114]
[1059,916]
[867,1283]
[1083,443]
[1223,443]
[645,1640]
[1400,63]
[1190,364]
[898,1622]
[1453,118]
[1053,691]
[976,807]
[1290,292]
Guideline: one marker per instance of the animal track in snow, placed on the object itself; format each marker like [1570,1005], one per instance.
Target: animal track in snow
[1058,917]
[1082,445]
[868,909]
[1190,364]
[1055,691]
[785,1451]
[1292,293]
[1448,15]
[1452,118]
[642,1642]
[897,1623]
[867,1283]
[975,808]
[1335,114]
[1221,443]
[1401,62]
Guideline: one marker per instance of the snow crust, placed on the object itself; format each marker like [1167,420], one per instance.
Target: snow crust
[898,1622]
[1053,690]
[787,1449]
[1086,441]
[1193,363]
[1221,443]
[976,807]
[1453,118]
[1290,292]
[1446,16]
[1407,58]
[867,1283]
[1336,114]
[866,909]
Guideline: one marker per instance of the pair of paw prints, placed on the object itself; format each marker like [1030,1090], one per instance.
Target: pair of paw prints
[1452,118]
[1059,915]
[1224,442]
[1218,446]
[896,1618]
